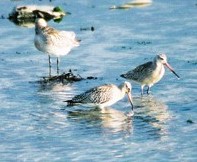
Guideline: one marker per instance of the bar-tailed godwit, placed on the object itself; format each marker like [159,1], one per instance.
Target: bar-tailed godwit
[149,73]
[104,95]
[53,42]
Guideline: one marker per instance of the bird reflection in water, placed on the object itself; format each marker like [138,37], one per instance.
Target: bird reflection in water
[55,92]
[116,120]
[153,112]
[110,120]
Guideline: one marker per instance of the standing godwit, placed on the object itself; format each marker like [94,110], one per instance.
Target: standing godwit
[149,73]
[53,42]
[104,95]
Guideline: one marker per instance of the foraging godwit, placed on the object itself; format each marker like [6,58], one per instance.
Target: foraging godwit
[103,96]
[149,73]
[53,42]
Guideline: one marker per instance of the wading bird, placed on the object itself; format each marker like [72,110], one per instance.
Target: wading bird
[103,96]
[53,42]
[149,73]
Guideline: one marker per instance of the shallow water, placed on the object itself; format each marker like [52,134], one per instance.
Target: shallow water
[35,123]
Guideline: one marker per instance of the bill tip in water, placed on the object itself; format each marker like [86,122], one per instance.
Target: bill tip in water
[178,77]
[130,114]
[176,74]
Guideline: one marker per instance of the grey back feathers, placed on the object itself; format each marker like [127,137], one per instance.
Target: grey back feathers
[97,95]
[138,74]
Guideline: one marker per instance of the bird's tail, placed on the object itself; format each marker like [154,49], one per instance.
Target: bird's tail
[70,102]
[77,42]
[123,75]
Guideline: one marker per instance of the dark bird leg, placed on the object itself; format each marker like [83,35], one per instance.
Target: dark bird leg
[49,66]
[148,90]
[58,66]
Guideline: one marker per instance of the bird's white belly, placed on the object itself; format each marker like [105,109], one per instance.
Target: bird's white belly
[50,48]
[57,51]
[116,95]
[157,75]
[109,103]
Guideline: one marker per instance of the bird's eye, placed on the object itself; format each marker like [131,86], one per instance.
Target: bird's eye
[128,88]
[161,58]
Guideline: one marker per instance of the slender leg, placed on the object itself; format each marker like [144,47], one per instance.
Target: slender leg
[142,91]
[49,66]
[58,65]
[148,90]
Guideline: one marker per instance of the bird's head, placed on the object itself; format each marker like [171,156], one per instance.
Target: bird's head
[126,87]
[163,59]
[40,22]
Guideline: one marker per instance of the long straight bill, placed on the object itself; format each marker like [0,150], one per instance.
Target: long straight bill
[130,100]
[172,70]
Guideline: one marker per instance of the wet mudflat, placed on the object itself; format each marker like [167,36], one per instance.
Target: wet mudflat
[36,125]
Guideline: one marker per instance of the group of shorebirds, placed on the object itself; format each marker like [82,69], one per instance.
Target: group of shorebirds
[59,43]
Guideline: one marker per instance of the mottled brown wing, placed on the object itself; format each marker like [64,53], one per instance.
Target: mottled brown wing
[139,71]
[97,95]
[60,38]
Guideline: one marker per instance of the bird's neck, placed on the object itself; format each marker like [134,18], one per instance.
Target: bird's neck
[39,29]
[157,63]
[122,89]
[159,68]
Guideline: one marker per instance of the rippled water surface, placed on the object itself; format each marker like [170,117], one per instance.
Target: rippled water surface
[36,125]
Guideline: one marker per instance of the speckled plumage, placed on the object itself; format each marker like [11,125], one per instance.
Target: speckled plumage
[149,73]
[102,96]
[53,42]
